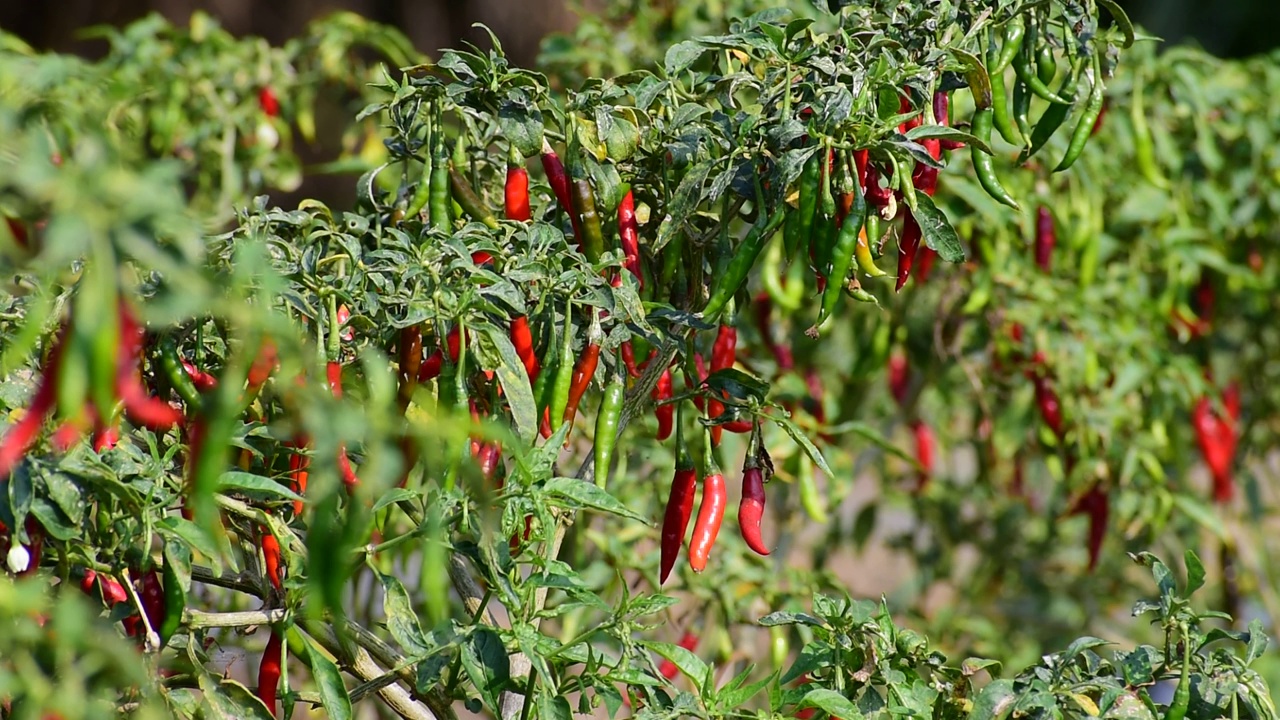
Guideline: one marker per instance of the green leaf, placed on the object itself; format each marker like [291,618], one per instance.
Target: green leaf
[1202,514]
[687,196]
[688,662]
[1079,645]
[1121,19]
[522,124]
[975,73]
[1195,571]
[681,55]
[830,702]
[190,533]
[494,342]
[402,621]
[805,444]
[994,700]
[783,617]
[333,694]
[943,132]
[936,230]
[584,494]
[226,698]
[486,663]
[237,480]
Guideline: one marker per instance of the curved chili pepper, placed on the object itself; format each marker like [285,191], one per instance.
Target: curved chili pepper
[269,671]
[842,260]
[1022,66]
[1084,128]
[664,413]
[516,191]
[1097,506]
[1046,238]
[629,236]
[629,359]
[559,181]
[271,558]
[607,427]
[142,409]
[908,247]
[751,508]
[22,435]
[744,258]
[471,203]
[582,374]
[522,338]
[431,367]
[710,514]
[983,164]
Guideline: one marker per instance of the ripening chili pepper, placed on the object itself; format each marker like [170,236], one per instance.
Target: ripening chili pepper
[269,671]
[559,181]
[591,240]
[908,247]
[563,385]
[675,520]
[744,258]
[751,508]
[298,472]
[271,558]
[983,165]
[522,338]
[926,450]
[862,251]
[22,435]
[471,203]
[629,236]
[268,101]
[607,427]
[203,381]
[1046,238]
[899,378]
[582,374]
[688,641]
[516,191]
[710,513]
[179,375]
[139,406]
[664,413]
[1084,128]
[1097,123]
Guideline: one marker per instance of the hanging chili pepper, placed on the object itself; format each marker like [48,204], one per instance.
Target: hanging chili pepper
[899,378]
[1217,446]
[151,595]
[298,464]
[268,101]
[471,203]
[842,260]
[1097,506]
[983,164]
[269,671]
[724,353]
[664,413]
[1046,238]
[751,508]
[908,247]
[583,371]
[744,258]
[629,359]
[22,435]
[798,231]
[1022,66]
[591,237]
[522,338]
[926,449]
[1088,118]
[516,191]
[559,181]
[629,236]
[431,367]
[440,202]
[1049,405]
[942,115]
[679,504]
[710,512]
[607,427]
[333,372]
[141,409]
[271,558]
[563,385]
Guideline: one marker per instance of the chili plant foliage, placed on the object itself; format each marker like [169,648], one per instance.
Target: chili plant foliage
[414,442]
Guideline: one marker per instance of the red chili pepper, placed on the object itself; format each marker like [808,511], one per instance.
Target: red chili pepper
[675,521]
[877,195]
[142,409]
[559,181]
[583,371]
[904,107]
[152,597]
[105,437]
[942,114]
[629,359]
[522,338]
[1046,238]
[664,413]
[1049,405]
[298,464]
[924,264]
[724,353]
[19,232]
[333,372]
[203,381]
[710,515]
[700,366]
[926,449]
[434,363]
[269,672]
[1204,300]
[22,435]
[268,102]
[763,313]
[271,558]
[1217,445]
[1096,505]
[263,365]
[751,508]
[516,193]
[668,669]
[899,377]
[629,236]
[908,247]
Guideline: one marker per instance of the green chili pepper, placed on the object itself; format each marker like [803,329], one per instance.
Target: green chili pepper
[209,445]
[423,192]
[470,202]
[607,427]
[875,233]
[903,183]
[1000,101]
[810,499]
[810,194]
[842,260]
[1143,148]
[1022,108]
[744,259]
[771,274]
[584,203]
[1182,698]
[1050,120]
[1084,128]
[175,598]
[564,373]
[1014,31]
[1046,63]
[176,374]
[1027,74]
[439,204]
[672,254]
[983,163]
